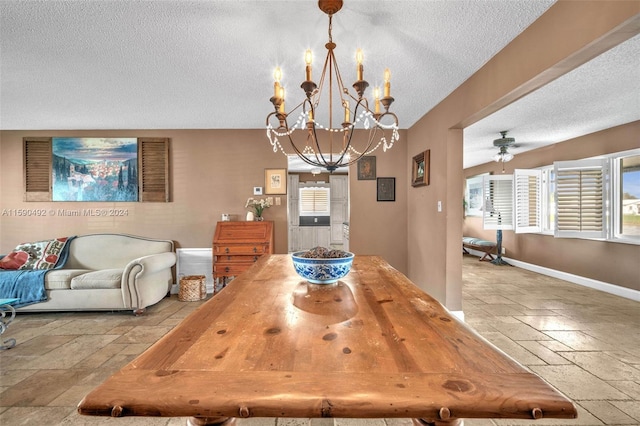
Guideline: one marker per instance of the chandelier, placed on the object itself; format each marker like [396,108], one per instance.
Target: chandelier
[323,144]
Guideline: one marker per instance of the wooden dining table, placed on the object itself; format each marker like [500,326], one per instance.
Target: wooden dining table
[372,345]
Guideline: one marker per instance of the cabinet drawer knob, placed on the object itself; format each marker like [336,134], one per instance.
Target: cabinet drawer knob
[255,249]
[226,269]
[226,250]
[255,258]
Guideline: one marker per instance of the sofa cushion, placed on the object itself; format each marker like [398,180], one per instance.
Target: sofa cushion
[35,255]
[60,279]
[105,278]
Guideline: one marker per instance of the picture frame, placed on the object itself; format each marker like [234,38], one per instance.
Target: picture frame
[473,200]
[94,169]
[420,169]
[257,190]
[367,168]
[275,181]
[386,189]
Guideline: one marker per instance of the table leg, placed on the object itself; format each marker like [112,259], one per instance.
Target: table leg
[4,323]
[447,422]
[209,421]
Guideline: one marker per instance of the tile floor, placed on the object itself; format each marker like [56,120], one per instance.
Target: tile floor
[584,342]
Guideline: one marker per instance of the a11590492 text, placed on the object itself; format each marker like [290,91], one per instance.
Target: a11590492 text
[92,212]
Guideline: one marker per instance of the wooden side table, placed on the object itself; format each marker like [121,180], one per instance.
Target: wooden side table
[7,309]
[238,245]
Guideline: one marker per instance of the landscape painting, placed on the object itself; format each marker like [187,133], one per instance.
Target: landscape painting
[95,169]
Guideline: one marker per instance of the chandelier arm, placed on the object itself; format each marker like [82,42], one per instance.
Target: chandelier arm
[363,99]
[269,118]
[341,88]
[314,136]
[365,151]
[351,131]
[388,126]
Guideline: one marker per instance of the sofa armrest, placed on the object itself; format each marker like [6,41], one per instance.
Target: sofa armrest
[143,271]
[149,264]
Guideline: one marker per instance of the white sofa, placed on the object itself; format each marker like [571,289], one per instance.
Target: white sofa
[109,272]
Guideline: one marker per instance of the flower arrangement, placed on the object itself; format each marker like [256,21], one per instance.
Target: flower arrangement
[258,205]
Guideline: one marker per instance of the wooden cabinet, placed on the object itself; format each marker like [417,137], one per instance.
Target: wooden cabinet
[308,237]
[238,245]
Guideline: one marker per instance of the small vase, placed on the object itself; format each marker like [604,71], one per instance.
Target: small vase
[258,218]
[249,216]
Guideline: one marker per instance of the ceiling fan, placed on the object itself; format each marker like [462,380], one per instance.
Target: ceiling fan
[503,143]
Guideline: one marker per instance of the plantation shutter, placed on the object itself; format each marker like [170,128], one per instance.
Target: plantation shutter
[154,169]
[37,169]
[580,198]
[314,201]
[528,200]
[497,211]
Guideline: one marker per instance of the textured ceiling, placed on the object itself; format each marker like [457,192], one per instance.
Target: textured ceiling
[208,64]
[602,93]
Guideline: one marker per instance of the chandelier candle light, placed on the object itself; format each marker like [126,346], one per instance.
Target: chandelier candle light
[323,151]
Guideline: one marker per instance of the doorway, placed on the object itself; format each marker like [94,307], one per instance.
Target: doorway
[317,206]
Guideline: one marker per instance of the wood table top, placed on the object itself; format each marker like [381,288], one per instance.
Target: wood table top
[371,346]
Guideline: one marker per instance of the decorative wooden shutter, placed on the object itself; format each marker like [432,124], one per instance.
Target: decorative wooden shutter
[528,200]
[154,169]
[580,198]
[497,210]
[37,169]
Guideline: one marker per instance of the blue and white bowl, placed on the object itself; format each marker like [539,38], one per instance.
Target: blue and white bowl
[321,270]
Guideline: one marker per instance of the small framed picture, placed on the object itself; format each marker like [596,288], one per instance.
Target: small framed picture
[386,189]
[420,169]
[275,181]
[367,168]
[257,190]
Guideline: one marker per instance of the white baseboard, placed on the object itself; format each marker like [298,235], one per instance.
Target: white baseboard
[617,290]
[458,314]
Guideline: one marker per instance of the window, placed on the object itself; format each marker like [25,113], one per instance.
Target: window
[626,171]
[497,212]
[314,201]
[528,200]
[580,198]
[513,201]
[548,201]
[591,198]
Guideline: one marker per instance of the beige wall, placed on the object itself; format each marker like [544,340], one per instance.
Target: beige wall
[380,227]
[614,263]
[567,35]
[212,172]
